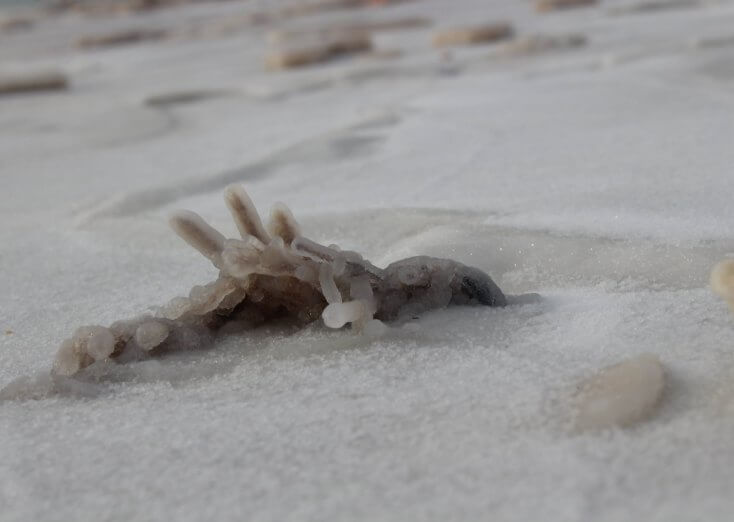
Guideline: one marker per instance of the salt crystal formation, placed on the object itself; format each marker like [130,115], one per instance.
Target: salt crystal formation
[273,273]
[552,5]
[540,43]
[32,82]
[473,35]
[317,47]
[15,23]
[120,38]
[622,394]
[722,281]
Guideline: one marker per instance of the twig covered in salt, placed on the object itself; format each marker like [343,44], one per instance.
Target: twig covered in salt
[274,273]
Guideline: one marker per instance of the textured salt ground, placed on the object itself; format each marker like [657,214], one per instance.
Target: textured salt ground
[507,372]
[603,175]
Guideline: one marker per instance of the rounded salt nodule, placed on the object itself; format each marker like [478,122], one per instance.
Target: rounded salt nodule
[375,328]
[722,279]
[337,315]
[199,294]
[151,334]
[100,343]
[622,394]
[67,360]
[177,307]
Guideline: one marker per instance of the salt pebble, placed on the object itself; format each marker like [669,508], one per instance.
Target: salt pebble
[32,82]
[322,51]
[151,334]
[67,360]
[552,5]
[375,328]
[100,343]
[473,35]
[120,38]
[622,394]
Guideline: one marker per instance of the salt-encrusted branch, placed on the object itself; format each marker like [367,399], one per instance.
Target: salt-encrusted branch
[272,272]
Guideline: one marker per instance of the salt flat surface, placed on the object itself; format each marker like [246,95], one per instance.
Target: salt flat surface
[600,177]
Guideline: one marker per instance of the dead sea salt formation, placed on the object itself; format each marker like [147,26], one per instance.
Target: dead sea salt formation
[544,6]
[15,23]
[722,281]
[311,7]
[296,36]
[115,7]
[317,48]
[32,82]
[654,6]
[120,38]
[470,35]
[539,43]
[620,395]
[184,97]
[275,272]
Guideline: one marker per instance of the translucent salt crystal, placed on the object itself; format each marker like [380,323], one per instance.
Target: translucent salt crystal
[337,315]
[244,213]
[374,328]
[339,264]
[177,307]
[67,360]
[198,233]
[313,249]
[622,394]
[151,334]
[283,224]
[199,295]
[241,258]
[100,343]
[328,286]
[275,257]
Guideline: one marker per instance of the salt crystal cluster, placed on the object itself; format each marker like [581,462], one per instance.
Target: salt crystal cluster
[275,272]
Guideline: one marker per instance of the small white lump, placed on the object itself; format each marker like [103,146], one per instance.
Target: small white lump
[620,395]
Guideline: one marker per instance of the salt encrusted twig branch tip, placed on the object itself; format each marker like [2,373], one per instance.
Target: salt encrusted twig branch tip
[275,272]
